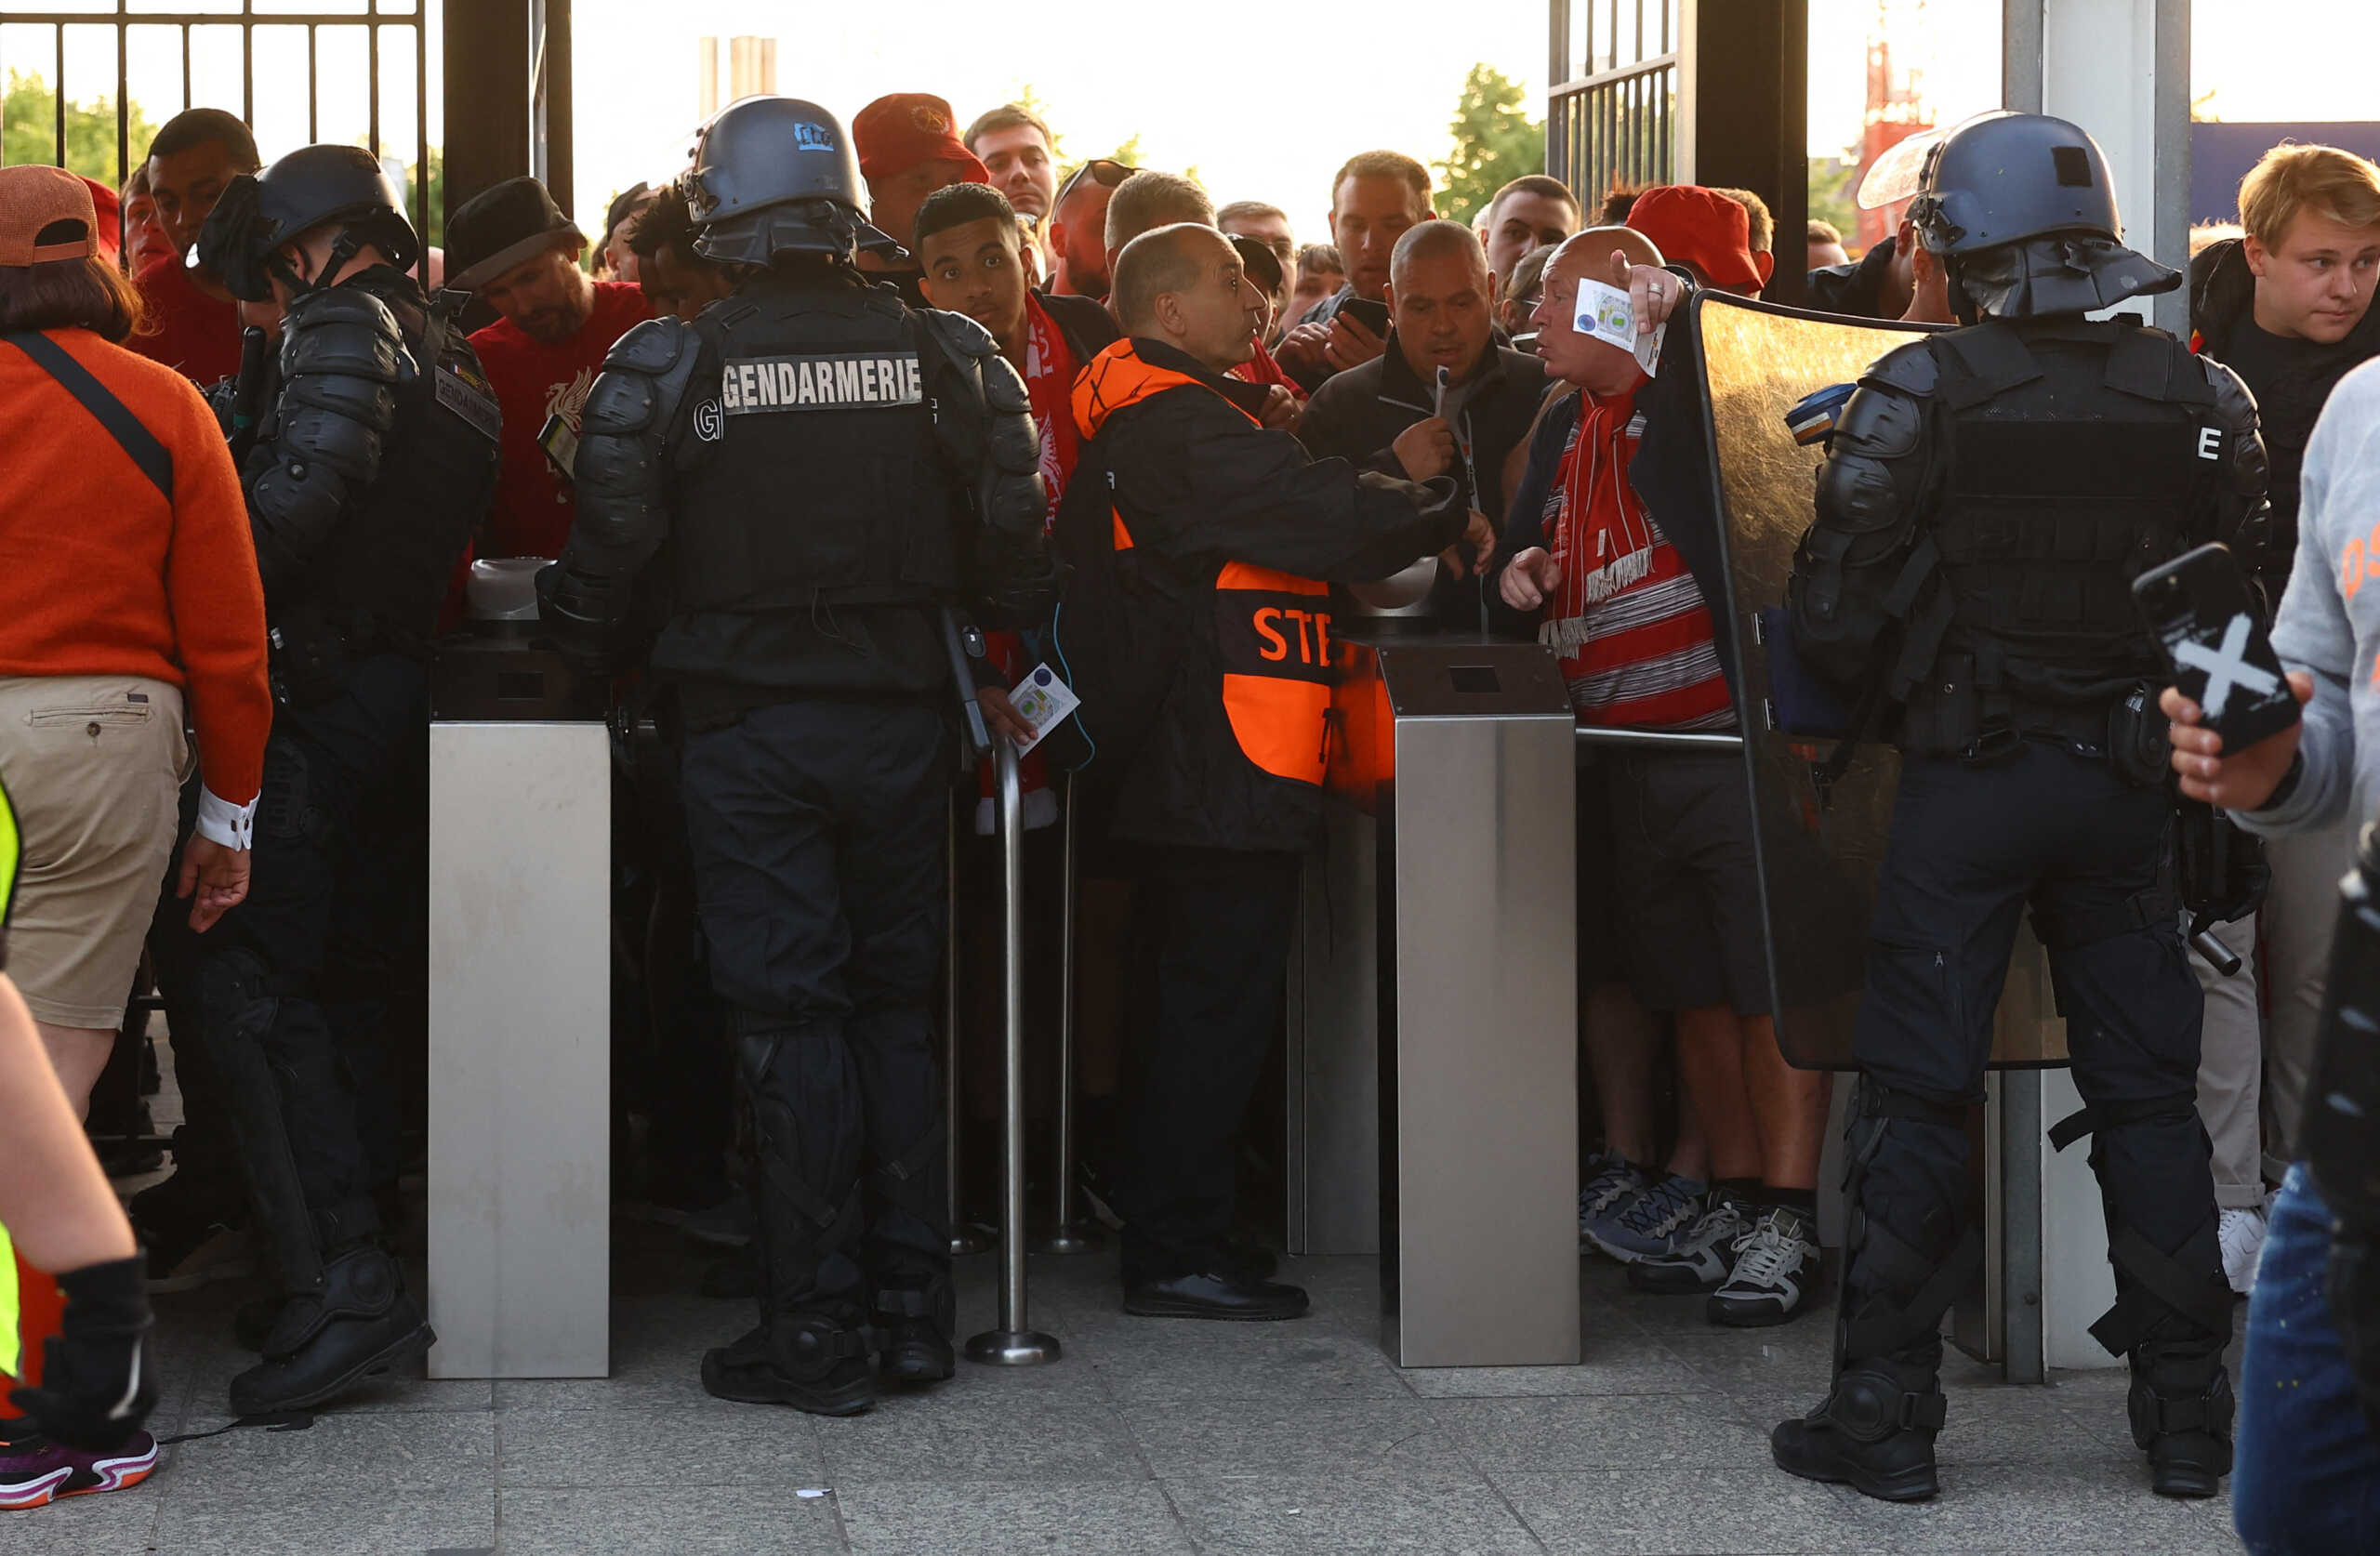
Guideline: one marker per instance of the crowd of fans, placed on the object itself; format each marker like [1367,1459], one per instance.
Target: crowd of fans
[1353,346]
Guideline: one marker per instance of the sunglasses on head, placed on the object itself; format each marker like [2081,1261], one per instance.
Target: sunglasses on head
[1108,171]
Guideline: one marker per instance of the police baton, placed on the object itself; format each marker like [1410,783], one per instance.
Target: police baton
[963,644]
[1013,1344]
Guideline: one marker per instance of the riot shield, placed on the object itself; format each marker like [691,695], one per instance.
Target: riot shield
[1820,838]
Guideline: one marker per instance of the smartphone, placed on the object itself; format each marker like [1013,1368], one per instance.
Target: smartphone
[1373,316]
[2215,645]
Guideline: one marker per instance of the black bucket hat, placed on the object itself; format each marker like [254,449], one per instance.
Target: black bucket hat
[501,227]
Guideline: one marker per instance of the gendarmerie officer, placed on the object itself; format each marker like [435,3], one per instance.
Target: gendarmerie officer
[829,470]
[1989,493]
[367,445]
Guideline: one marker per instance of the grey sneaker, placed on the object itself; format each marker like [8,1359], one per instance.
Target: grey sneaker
[1609,1180]
[1648,1223]
[1704,1255]
[1777,1268]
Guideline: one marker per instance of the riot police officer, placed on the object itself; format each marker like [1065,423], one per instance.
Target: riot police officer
[829,470]
[367,447]
[1988,495]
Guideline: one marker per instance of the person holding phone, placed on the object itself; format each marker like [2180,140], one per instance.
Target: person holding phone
[1989,496]
[2308,1455]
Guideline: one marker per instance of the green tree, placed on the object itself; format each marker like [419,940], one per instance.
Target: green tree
[1495,142]
[29,129]
[436,235]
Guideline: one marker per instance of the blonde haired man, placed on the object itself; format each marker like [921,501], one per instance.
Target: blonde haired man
[2288,307]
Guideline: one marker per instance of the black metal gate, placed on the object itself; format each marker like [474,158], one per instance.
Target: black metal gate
[1611,110]
[374,54]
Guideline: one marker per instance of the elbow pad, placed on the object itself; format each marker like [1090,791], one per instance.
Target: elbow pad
[622,469]
[993,439]
[342,360]
[2242,520]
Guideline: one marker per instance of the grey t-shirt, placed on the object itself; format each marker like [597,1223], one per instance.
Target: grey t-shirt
[2329,622]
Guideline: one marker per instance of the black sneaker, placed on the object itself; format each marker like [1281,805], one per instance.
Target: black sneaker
[1230,1297]
[808,1361]
[1776,1268]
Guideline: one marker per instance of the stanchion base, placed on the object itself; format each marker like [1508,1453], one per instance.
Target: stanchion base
[1075,1237]
[1014,1348]
[967,1238]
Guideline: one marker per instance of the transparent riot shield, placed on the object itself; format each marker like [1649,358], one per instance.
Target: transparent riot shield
[1820,838]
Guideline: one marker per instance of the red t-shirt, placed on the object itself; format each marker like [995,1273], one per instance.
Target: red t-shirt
[533,381]
[186,330]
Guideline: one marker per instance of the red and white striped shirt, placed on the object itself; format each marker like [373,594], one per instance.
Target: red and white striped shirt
[1637,643]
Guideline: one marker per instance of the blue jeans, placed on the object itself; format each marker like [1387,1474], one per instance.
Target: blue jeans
[2307,1472]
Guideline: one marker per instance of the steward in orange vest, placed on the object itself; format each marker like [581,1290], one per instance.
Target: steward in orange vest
[1235,534]
[1226,534]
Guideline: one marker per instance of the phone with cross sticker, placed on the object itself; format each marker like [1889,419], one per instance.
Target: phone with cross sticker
[2215,646]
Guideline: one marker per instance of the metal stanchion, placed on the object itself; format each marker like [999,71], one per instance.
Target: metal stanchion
[1012,1344]
[1068,1235]
[966,1237]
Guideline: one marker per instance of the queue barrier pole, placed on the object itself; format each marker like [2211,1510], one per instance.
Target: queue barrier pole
[966,1237]
[1013,1344]
[1067,1234]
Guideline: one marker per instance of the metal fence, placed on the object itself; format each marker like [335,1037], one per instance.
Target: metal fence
[389,33]
[1611,111]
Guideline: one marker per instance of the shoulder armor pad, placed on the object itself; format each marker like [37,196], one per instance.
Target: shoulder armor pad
[340,305]
[2235,405]
[1910,369]
[958,334]
[1004,391]
[651,348]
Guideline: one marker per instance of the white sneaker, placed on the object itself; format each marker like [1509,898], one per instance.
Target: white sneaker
[2241,1234]
[1776,1266]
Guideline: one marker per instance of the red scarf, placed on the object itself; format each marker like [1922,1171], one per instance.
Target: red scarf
[1050,370]
[1595,522]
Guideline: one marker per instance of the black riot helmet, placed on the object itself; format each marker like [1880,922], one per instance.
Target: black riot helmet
[775,176]
[2023,213]
[315,186]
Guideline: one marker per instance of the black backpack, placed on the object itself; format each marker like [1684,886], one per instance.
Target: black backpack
[1118,635]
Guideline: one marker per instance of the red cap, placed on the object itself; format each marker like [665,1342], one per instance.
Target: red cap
[108,233]
[897,133]
[1701,227]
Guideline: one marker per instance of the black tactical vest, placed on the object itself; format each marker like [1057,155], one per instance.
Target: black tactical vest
[2070,456]
[813,474]
[389,572]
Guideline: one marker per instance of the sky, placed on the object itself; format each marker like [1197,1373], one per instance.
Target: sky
[1259,114]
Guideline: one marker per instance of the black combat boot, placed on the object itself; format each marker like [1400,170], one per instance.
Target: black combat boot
[362,1322]
[1874,1431]
[913,1343]
[2181,1409]
[807,1360]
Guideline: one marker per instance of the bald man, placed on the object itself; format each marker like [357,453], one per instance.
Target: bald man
[1390,415]
[1637,620]
[1233,533]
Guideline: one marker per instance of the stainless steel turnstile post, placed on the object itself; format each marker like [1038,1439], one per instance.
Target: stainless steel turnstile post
[520,1160]
[1067,1235]
[1013,1343]
[966,1237]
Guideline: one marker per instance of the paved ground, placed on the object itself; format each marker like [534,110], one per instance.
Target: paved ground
[1150,1437]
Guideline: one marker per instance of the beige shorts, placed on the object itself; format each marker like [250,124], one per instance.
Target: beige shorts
[94,766]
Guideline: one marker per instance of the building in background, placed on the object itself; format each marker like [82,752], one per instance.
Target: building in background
[752,70]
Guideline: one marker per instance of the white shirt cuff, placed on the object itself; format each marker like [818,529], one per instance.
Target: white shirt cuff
[220,820]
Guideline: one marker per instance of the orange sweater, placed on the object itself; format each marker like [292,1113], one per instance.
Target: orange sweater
[99,577]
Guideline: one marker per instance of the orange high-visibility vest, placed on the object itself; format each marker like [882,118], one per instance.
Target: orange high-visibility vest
[1273,627]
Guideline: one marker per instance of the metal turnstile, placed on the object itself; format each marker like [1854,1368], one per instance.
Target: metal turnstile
[520,1172]
[1433,1064]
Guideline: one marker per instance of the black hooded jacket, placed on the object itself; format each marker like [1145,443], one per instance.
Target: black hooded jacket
[2292,380]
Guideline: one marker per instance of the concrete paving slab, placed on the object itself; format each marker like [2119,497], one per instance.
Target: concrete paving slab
[725,1445]
[772,1520]
[1379,1514]
[1007,1517]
